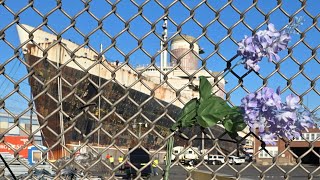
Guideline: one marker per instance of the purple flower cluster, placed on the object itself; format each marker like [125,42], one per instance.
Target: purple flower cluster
[266,43]
[264,111]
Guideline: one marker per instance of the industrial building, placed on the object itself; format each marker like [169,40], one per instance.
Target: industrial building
[26,124]
[289,152]
[17,138]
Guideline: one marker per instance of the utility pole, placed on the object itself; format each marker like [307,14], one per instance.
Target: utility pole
[99,103]
[140,123]
[202,142]
[163,55]
[59,83]
[139,128]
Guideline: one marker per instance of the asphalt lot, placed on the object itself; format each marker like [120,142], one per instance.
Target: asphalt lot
[251,172]
[245,172]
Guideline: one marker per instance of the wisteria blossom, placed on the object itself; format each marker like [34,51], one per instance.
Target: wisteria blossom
[266,43]
[264,111]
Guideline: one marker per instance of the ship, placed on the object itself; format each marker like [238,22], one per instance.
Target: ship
[81,97]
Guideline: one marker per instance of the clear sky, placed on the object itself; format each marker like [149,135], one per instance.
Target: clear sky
[226,15]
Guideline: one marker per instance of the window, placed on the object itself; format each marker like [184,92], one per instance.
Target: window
[307,136]
[273,151]
[24,121]
[36,156]
[264,154]
[249,143]
[312,137]
[39,142]
[298,139]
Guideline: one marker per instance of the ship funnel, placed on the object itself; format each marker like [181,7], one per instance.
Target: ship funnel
[179,46]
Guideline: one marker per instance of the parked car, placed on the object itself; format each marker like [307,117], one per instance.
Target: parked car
[214,159]
[236,160]
[185,156]
[248,158]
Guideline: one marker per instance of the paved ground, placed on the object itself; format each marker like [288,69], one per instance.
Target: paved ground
[251,173]
[245,173]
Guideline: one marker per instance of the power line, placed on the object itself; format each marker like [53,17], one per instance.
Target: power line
[8,74]
[11,75]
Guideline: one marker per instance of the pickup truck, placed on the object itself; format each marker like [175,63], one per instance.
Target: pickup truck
[236,160]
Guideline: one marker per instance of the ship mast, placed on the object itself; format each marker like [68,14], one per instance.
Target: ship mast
[163,55]
[99,103]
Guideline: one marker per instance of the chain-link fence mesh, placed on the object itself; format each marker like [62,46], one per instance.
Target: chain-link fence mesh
[90,89]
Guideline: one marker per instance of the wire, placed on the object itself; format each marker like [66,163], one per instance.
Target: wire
[8,73]
[5,163]
[4,90]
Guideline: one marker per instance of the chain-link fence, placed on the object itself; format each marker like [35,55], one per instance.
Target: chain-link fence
[90,88]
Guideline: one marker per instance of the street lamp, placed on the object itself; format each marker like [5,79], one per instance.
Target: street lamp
[140,124]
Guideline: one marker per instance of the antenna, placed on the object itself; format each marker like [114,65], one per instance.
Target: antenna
[163,55]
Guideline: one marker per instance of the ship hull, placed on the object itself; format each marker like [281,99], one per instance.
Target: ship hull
[73,109]
[119,107]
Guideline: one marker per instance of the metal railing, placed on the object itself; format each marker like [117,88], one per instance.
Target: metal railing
[71,66]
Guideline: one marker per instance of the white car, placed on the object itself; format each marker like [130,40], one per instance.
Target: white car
[236,160]
[214,159]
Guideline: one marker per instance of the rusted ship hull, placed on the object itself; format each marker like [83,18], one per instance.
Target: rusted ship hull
[69,103]
[117,109]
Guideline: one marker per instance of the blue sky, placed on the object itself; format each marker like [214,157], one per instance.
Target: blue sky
[179,13]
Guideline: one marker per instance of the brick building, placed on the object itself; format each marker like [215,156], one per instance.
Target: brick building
[288,156]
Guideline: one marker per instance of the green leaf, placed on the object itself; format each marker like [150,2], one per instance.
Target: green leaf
[209,111]
[234,126]
[205,89]
[207,121]
[228,125]
[239,126]
[236,118]
[236,110]
[217,107]
[187,115]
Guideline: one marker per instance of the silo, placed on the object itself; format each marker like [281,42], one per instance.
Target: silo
[179,46]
